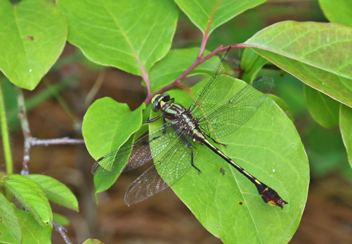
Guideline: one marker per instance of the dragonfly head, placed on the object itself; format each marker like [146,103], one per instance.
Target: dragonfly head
[159,100]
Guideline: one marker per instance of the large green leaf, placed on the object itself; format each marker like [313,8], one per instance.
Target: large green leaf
[31,196]
[205,12]
[108,124]
[55,191]
[175,63]
[33,34]
[104,182]
[346,129]
[130,35]
[10,222]
[323,109]
[338,11]
[226,203]
[31,230]
[316,53]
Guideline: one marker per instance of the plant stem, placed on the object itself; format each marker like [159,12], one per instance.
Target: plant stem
[5,133]
[22,115]
[197,62]
[56,141]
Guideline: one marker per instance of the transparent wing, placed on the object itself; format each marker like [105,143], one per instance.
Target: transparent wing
[213,91]
[145,186]
[239,109]
[172,166]
[135,154]
[176,161]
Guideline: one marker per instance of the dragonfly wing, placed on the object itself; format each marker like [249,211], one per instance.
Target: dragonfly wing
[170,168]
[239,109]
[140,154]
[176,162]
[213,91]
[112,163]
[135,155]
[145,186]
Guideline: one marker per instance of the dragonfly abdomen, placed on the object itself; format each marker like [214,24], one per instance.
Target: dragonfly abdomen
[268,194]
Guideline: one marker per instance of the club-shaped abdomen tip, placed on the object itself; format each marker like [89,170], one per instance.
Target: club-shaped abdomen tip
[271,196]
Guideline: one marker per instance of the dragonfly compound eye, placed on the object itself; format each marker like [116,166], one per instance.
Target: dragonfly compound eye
[158,100]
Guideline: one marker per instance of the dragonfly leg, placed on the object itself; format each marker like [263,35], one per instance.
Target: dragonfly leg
[191,147]
[154,119]
[164,130]
[192,162]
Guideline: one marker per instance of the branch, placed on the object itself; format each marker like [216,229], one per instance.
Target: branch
[145,76]
[62,231]
[22,115]
[206,32]
[30,141]
[58,141]
[197,62]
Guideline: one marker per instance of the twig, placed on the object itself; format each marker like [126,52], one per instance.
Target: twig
[197,62]
[145,76]
[22,115]
[58,141]
[91,94]
[31,141]
[62,231]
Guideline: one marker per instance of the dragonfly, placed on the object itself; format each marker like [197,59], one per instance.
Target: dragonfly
[172,147]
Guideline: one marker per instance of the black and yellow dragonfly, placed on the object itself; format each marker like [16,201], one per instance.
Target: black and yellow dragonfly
[173,146]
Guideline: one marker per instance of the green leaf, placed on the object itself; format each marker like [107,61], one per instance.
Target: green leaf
[33,35]
[130,35]
[55,191]
[31,196]
[346,129]
[205,12]
[10,220]
[289,88]
[251,64]
[228,205]
[283,105]
[175,63]
[108,124]
[61,220]
[337,11]
[32,231]
[316,53]
[92,241]
[104,182]
[323,109]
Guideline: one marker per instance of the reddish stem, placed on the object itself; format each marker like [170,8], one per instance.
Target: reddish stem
[197,62]
[206,32]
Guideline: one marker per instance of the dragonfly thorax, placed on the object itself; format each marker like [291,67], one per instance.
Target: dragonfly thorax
[181,118]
